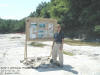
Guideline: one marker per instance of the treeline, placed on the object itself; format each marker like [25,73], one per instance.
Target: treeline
[79,19]
[12,26]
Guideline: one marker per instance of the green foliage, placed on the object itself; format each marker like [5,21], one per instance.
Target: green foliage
[40,11]
[77,18]
[97,29]
[53,9]
[80,43]
[68,53]
[81,18]
[12,26]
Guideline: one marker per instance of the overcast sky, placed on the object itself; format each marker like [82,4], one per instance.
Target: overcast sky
[18,9]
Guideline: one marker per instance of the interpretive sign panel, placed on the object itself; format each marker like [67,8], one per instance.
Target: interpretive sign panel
[40,28]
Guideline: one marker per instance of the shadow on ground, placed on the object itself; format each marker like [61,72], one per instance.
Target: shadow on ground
[42,64]
[68,68]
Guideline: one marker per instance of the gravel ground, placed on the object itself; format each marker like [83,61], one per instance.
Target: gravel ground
[86,59]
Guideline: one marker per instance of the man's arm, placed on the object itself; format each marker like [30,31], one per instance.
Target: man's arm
[52,44]
[62,43]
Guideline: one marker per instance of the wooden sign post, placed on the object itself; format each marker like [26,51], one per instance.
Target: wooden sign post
[39,29]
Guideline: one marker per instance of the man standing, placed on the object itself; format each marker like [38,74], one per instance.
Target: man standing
[57,47]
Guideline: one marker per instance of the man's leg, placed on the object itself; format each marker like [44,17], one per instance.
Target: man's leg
[54,53]
[60,52]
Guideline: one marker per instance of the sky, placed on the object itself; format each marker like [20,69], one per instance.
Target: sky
[18,9]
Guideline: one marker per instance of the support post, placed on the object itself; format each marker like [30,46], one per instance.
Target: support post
[25,51]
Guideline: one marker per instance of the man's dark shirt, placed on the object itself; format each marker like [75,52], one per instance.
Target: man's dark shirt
[58,37]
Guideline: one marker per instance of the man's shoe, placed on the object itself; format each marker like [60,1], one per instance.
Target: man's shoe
[51,60]
[59,65]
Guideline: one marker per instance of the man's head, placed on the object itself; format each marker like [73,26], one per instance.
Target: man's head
[58,28]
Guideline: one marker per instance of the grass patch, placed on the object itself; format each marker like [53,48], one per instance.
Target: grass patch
[81,43]
[35,44]
[68,53]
